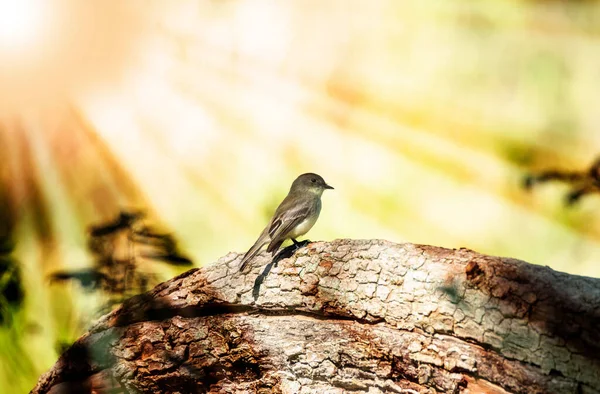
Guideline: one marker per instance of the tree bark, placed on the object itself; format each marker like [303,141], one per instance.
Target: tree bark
[348,316]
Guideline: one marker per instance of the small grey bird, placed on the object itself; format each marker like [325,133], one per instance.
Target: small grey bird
[296,214]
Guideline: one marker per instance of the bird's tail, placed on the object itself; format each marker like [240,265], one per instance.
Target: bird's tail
[254,250]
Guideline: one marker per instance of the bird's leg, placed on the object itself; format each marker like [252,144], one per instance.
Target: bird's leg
[298,245]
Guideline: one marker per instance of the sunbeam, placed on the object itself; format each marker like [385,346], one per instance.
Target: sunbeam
[21,23]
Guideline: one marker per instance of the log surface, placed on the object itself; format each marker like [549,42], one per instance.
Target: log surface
[348,316]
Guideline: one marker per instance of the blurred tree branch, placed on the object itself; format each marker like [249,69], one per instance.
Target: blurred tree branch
[582,182]
[119,247]
[348,316]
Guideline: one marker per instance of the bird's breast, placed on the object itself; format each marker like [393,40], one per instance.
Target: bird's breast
[304,226]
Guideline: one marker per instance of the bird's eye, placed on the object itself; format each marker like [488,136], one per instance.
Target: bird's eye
[313,180]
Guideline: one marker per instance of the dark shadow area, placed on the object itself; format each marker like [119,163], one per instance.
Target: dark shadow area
[186,357]
[547,301]
[152,309]
[284,253]
[452,291]
[84,370]
[582,182]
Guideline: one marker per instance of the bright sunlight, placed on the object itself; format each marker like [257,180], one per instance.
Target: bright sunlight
[20,22]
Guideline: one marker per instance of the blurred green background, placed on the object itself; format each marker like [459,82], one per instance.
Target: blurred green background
[424,115]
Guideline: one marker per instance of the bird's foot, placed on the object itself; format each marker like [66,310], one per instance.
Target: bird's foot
[300,244]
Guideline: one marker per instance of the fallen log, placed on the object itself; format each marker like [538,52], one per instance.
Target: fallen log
[347,316]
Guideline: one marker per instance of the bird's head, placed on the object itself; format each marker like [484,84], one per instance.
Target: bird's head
[310,182]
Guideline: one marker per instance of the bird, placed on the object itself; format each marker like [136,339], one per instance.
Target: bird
[295,216]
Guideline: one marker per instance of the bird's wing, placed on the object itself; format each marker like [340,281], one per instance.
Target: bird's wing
[288,215]
[286,218]
[262,240]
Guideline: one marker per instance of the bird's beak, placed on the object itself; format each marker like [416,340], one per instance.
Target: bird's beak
[328,187]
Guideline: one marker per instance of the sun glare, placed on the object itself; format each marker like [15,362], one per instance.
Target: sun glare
[20,22]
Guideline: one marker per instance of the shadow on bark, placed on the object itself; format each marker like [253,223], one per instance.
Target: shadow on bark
[186,349]
[570,317]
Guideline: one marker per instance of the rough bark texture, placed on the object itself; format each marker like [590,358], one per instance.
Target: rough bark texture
[348,316]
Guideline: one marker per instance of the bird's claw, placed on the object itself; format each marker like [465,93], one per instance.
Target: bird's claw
[301,244]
